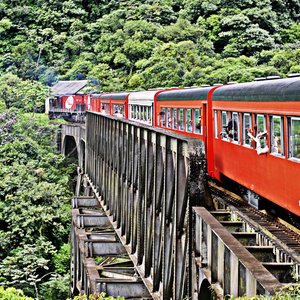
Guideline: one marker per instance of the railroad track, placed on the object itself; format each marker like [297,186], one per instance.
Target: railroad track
[284,236]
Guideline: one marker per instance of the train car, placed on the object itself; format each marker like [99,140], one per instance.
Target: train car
[255,139]
[186,111]
[141,106]
[69,107]
[95,103]
[114,104]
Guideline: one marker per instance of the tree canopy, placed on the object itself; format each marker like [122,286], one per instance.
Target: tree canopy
[121,43]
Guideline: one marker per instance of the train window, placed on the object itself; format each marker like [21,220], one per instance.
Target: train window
[131,112]
[224,124]
[181,119]
[169,121]
[276,134]
[247,125]
[261,127]
[216,123]
[174,118]
[162,115]
[118,110]
[105,108]
[135,111]
[294,135]
[235,123]
[261,123]
[188,119]
[197,120]
[149,114]
[141,114]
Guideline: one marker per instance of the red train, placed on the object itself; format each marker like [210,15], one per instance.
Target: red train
[251,131]
[69,107]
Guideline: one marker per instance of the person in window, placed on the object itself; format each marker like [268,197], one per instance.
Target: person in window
[189,126]
[198,126]
[119,114]
[260,140]
[231,129]
[162,118]
[103,111]
[275,147]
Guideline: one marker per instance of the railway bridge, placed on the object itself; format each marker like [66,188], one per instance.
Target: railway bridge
[144,225]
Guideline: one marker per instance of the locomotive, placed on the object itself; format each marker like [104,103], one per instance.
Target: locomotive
[69,107]
[251,131]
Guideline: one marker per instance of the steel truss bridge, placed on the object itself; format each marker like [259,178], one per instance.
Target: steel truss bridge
[142,220]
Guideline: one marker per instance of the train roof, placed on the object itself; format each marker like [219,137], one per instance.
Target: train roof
[194,93]
[287,89]
[69,87]
[114,96]
[145,97]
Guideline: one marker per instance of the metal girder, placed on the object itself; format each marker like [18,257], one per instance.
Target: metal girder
[141,176]
[221,259]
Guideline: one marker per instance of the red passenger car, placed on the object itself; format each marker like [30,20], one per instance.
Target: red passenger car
[114,104]
[186,111]
[255,136]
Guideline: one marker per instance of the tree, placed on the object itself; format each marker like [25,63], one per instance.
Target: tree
[34,207]
[12,294]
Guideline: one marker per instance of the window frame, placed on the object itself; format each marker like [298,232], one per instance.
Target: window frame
[272,136]
[196,122]
[216,127]
[245,130]
[224,125]
[290,120]
[235,117]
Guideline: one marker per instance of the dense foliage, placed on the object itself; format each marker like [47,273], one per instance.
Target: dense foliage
[288,292]
[34,207]
[129,44]
[101,296]
[12,294]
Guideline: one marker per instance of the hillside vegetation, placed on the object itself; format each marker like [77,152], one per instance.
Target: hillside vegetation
[126,44]
[35,193]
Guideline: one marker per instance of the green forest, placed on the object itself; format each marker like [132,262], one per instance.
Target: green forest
[35,192]
[117,45]
[126,44]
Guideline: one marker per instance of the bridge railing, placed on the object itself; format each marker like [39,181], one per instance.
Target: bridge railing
[147,180]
